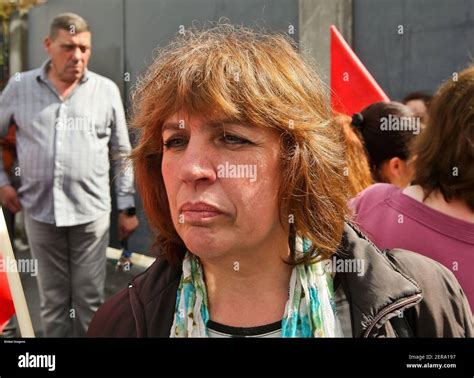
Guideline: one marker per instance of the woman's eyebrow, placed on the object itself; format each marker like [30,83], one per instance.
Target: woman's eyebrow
[169,125]
[211,124]
[228,123]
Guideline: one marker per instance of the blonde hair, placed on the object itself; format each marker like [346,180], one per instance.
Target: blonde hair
[259,79]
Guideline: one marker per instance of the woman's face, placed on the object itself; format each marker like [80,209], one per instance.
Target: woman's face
[222,180]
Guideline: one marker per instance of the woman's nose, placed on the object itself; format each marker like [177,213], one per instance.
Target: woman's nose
[196,163]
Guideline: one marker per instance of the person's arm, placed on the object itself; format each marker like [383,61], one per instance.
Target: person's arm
[123,172]
[7,101]
[8,195]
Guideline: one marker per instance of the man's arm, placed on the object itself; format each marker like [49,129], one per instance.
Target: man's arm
[123,172]
[7,103]
[8,195]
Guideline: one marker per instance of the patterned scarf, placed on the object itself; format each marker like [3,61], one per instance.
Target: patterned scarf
[309,312]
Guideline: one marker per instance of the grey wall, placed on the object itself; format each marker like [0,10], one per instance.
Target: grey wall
[438,40]
[315,18]
[126,32]
[151,24]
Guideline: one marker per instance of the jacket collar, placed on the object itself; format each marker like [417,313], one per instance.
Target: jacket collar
[152,297]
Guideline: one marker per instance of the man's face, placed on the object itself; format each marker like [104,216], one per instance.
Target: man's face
[69,54]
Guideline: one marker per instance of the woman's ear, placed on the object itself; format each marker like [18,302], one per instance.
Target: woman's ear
[390,171]
[399,172]
[395,165]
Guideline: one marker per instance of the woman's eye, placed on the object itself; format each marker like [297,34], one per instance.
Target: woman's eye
[174,142]
[232,139]
[229,139]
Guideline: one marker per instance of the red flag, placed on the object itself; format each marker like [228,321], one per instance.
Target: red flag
[352,86]
[7,309]
[12,297]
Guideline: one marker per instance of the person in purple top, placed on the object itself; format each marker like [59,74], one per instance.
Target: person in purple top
[435,215]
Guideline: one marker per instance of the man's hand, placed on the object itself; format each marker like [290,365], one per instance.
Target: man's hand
[127,224]
[9,198]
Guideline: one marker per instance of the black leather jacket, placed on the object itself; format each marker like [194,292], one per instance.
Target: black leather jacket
[401,294]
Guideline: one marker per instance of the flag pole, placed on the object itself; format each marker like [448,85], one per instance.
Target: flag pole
[16,289]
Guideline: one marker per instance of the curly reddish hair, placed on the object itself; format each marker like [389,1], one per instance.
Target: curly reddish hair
[262,80]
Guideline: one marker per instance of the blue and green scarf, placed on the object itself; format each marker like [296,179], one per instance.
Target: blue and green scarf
[309,312]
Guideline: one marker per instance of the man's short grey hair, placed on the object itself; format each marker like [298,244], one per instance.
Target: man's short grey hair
[71,22]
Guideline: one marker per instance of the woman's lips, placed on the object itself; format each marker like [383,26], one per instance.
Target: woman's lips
[199,211]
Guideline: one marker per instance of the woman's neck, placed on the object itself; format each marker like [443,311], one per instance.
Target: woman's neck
[248,291]
[455,208]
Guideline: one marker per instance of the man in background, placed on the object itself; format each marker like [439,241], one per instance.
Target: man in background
[67,116]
